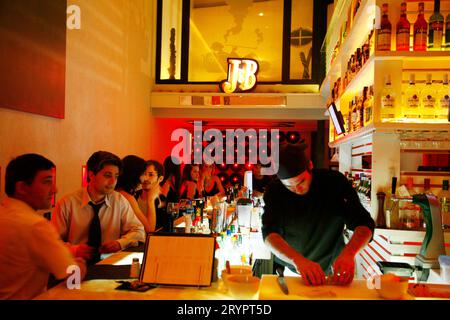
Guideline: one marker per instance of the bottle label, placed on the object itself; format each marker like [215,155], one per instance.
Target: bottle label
[403,38]
[384,39]
[420,37]
[437,26]
[368,114]
[387,101]
[413,101]
[428,101]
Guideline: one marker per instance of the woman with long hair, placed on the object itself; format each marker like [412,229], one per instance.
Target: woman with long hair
[170,184]
[210,184]
[129,182]
[189,183]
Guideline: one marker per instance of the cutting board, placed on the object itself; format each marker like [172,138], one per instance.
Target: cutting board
[357,290]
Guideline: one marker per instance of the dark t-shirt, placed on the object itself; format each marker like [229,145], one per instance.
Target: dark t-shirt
[313,224]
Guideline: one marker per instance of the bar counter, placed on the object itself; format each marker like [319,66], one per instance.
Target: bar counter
[105,289]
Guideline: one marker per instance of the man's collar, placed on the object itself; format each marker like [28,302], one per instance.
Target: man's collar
[85,199]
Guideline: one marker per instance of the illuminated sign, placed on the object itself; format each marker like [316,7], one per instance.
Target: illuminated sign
[241,75]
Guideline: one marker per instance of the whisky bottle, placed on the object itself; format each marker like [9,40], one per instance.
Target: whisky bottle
[411,102]
[387,101]
[435,28]
[428,100]
[368,107]
[420,31]
[360,109]
[443,109]
[384,33]
[403,30]
[354,115]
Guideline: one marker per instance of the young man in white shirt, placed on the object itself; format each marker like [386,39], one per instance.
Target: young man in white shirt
[77,215]
[30,249]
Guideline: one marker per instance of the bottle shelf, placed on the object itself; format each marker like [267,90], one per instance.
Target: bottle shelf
[412,55]
[390,128]
[358,32]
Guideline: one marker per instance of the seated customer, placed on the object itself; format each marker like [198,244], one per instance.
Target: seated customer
[189,183]
[170,185]
[210,183]
[97,219]
[148,200]
[130,180]
[30,249]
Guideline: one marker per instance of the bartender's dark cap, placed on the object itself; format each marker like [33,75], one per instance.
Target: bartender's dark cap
[293,160]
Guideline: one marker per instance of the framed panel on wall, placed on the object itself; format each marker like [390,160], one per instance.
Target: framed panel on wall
[33,56]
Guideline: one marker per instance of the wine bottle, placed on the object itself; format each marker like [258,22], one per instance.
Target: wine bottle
[435,28]
[420,30]
[385,31]
[403,30]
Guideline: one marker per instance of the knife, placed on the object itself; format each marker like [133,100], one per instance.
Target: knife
[281,281]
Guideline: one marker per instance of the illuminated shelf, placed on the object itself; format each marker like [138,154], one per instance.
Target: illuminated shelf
[352,136]
[363,78]
[389,128]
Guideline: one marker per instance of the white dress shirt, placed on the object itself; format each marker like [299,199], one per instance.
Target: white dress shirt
[30,249]
[72,218]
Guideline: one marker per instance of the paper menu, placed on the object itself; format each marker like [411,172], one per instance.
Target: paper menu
[178,259]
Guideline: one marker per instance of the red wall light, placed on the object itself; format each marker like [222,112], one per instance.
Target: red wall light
[84,181]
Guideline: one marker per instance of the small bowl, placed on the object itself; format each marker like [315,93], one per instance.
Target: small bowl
[235,270]
[243,287]
[393,287]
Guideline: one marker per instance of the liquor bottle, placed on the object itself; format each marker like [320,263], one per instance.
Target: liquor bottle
[392,212]
[411,103]
[447,32]
[361,108]
[384,33]
[444,200]
[372,40]
[435,28]
[354,115]
[387,101]
[368,107]
[428,100]
[427,186]
[420,31]
[410,186]
[403,30]
[443,100]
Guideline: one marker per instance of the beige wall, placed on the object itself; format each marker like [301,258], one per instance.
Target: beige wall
[108,83]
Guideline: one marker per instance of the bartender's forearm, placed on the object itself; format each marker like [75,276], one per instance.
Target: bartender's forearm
[361,236]
[282,249]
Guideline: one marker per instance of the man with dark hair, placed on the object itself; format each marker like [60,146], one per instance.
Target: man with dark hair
[148,200]
[30,249]
[305,213]
[97,219]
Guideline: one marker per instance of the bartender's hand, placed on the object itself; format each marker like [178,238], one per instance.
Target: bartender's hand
[82,251]
[344,269]
[110,247]
[311,272]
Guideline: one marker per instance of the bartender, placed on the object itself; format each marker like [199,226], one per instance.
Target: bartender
[305,213]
